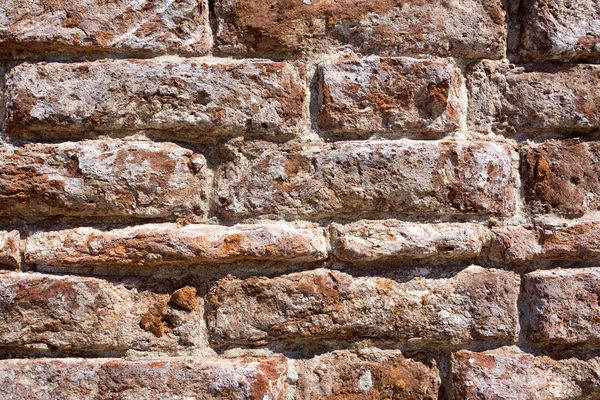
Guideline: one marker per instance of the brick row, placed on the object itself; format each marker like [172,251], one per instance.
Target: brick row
[473,306]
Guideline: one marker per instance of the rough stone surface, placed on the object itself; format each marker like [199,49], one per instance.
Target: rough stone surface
[473,306]
[391,239]
[76,315]
[185,297]
[10,249]
[168,379]
[467,28]
[578,241]
[502,374]
[563,30]
[364,179]
[533,100]
[561,177]
[170,244]
[369,374]
[391,95]
[562,307]
[101,178]
[125,27]
[187,99]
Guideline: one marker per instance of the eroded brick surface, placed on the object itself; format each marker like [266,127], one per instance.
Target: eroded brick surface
[562,306]
[561,177]
[515,375]
[533,100]
[76,378]
[392,95]
[108,178]
[390,239]
[473,306]
[470,28]
[578,241]
[368,374]
[125,27]
[78,315]
[187,99]
[562,30]
[364,179]
[170,244]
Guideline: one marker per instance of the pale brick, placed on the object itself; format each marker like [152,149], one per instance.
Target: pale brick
[366,374]
[467,28]
[577,241]
[122,27]
[533,100]
[562,307]
[561,177]
[391,240]
[76,315]
[510,374]
[107,178]
[564,30]
[10,249]
[187,99]
[167,379]
[358,179]
[170,244]
[473,306]
[391,95]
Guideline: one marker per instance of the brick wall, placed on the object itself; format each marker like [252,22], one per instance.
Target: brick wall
[251,199]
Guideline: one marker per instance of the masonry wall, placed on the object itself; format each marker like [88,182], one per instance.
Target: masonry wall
[286,199]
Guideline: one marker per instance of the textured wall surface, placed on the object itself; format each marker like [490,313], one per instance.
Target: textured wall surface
[300,199]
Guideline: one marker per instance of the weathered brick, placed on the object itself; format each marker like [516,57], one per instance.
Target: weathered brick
[510,374]
[391,95]
[473,306]
[108,378]
[561,177]
[470,28]
[122,27]
[77,315]
[578,241]
[562,307]
[169,244]
[533,99]
[364,179]
[101,178]
[390,239]
[565,30]
[368,374]
[10,249]
[188,99]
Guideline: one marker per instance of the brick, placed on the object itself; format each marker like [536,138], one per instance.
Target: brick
[188,99]
[368,374]
[562,307]
[577,241]
[392,240]
[561,177]
[109,378]
[358,179]
[170,244]
[509,374]
[134,28]
[473,306]
[77,315]
[107,178]
[391,95]
[563,30]
[533,100]
[470,29]
[10,249]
